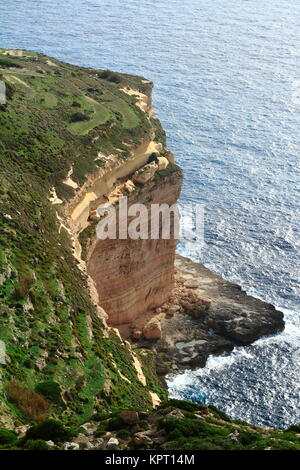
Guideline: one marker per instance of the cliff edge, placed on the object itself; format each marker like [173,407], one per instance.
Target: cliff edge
[79,314]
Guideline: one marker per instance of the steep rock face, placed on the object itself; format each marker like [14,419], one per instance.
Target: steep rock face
[133,276]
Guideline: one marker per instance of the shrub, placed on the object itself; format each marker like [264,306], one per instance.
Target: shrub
[153,157]
[6,63]
[196,444]
[176,428]
[75,117]
[294,428]
[51,390]
[248,437]
[31,403]
[50,429]
[110,76]
[37,444]
[115,423]
[101,416]
[188,427]
[214,443]
[182,405]
[123,433]
[7,437]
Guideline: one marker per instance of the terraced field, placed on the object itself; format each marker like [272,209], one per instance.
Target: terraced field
[53,88]
[101,114]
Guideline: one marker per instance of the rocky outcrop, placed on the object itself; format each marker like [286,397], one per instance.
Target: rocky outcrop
[145,173]
[183,318]
[134,276]
[205,315]
[232,313]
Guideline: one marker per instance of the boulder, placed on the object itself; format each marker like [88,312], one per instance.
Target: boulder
[152,329]
[130,417]
[80,439]
[129,186]
[98,443]
[191,284]
[142,439]
[162,162]
[87,446]
[234,436]
[40,364]
[89,428]
[176,414]
[70,446]
[145,173]
[21,430]
[50,443]
[112,444]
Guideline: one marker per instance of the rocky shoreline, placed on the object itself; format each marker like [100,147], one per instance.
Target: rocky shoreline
[206,315]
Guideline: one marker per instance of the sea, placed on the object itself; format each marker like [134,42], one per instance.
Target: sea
[227,90]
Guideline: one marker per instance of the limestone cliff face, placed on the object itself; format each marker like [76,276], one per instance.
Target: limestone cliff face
[134,276]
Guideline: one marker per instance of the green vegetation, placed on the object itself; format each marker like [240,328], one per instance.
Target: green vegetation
[189,427]
[7,63]
[100,115]
[62,366]
[7,437]
[49,429]
[194,433]
[59,362]
[51,390]
[37,444]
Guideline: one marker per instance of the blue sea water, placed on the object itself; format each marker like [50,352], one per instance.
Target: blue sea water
[227,78]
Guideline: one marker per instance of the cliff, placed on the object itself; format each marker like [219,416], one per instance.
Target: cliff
[135,276]
[74,138]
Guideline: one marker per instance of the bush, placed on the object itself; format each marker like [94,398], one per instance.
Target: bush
[182,405]
[75,117]
[248,437]
[123,433]
[7,437]
[37,444]
[294,428]
[50,429]
[113,424]
[188,427]
[6,63]
[196,444]
[214,443]
[110,76]
[50,390]
[31,403]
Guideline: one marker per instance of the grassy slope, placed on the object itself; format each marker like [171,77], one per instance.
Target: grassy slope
[46,315]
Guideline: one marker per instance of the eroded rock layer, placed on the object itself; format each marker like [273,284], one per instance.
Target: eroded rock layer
[133,276]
